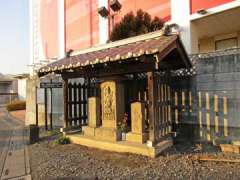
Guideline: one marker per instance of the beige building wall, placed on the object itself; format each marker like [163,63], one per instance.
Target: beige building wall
[208,44]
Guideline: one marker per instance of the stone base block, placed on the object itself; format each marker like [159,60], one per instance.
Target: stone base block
[138,138]
[107,134]
[230,148]
[88,131]
[237,143]
[121,146]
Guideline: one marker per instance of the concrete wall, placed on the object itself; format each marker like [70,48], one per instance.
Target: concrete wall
[211,99]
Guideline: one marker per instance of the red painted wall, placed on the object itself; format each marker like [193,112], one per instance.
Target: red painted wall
[160,8]
[49,27]
[206,4]
[81,23]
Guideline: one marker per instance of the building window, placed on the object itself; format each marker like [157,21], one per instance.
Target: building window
[226,43]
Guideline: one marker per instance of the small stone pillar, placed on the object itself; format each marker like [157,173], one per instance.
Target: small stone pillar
[137,133]
[94,112]
[93,116]
[112,101]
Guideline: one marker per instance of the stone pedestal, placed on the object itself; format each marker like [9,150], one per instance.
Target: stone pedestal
[31,101]
[138,124]
[94,112]
[88,131]
[138,138]
[112,101]
[107,134]
[93,116]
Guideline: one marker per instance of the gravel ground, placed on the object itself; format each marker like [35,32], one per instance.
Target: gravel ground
[50,161]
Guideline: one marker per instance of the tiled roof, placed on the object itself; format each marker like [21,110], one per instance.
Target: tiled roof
[117,51]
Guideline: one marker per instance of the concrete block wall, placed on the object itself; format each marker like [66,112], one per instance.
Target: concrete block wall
[215,99]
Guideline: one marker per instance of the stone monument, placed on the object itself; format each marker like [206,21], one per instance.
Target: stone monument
[137,133]
[112,101]
[93,116]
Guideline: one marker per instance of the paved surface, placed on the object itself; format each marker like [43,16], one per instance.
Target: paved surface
[14,161]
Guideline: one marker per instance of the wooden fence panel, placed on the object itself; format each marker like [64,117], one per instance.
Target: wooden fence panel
[206,111]
[164,105]
[77,102]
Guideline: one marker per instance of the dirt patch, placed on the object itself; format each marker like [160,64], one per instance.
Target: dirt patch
[20,115]
[53,161]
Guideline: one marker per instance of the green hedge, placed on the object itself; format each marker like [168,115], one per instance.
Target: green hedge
[16,105]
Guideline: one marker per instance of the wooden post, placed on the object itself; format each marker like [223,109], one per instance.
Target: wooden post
[75,103]
[152,108]
[65,99]
[84,103]
[36,106]
[70,104]
[46,108]
[80,103]
[51,113]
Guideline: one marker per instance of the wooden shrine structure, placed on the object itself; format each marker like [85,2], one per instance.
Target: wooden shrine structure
[127,77]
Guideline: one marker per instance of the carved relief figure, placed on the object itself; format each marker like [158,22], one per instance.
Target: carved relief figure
[137,119]
[108,103]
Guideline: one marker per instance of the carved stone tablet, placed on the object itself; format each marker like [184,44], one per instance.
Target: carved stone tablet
[137,117]
[112,101]
[93,112]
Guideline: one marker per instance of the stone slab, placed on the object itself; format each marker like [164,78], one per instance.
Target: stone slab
[121,146]
[108,134]
[137,118]
[112,101]
[94,112]
[236,143]
[14,159]
[88,131]
[138,138]
[14,165]
[230,148]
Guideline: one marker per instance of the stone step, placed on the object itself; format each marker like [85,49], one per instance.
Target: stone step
[121,146]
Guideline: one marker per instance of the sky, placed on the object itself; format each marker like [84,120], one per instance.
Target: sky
[14,36]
